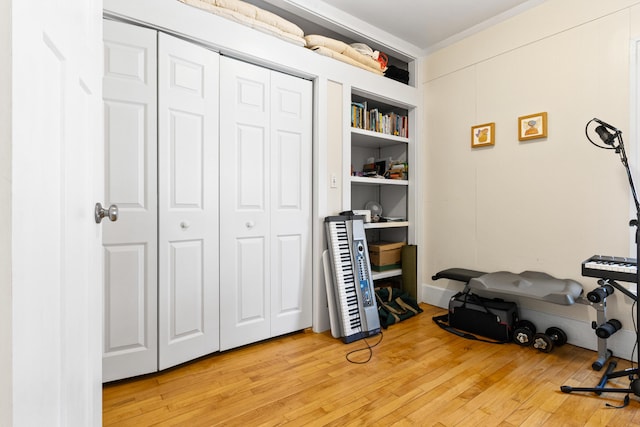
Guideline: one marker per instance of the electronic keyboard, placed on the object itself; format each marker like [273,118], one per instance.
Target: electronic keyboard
[353,292]
[611,267]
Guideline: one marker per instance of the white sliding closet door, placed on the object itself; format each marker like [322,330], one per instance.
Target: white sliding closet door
[130,345]
[265,201]
[188,201]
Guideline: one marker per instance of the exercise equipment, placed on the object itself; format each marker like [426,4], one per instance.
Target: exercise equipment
[552,337]
[525,335]
[544,287]
[528,284]
[524,332]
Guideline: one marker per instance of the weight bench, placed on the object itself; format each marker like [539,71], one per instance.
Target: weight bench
[531,284]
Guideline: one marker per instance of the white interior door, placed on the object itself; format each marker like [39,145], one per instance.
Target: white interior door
[130,343]
[265,189]
[188,201]
[57,159]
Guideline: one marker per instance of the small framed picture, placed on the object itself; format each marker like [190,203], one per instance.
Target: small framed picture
[483,135]
[533,126]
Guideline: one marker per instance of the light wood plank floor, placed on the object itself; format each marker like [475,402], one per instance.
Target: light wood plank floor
[419,375]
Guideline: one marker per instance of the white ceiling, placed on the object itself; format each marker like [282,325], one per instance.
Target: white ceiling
[426,23]
[412,27]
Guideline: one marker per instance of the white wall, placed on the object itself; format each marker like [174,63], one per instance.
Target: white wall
[6,383]
[546,204]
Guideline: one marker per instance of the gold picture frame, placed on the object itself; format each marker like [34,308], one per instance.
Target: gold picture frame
[533,126]
[483,135]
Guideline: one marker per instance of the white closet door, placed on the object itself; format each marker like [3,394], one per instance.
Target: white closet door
[188,201]
[290,207]
[130,245]
[244,203]
[265,191]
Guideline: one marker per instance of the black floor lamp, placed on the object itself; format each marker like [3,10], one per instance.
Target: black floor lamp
[611,139]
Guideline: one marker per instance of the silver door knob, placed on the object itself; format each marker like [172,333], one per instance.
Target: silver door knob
[111,213]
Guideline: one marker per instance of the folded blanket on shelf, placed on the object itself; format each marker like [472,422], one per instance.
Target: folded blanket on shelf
[343,52]
[252,16]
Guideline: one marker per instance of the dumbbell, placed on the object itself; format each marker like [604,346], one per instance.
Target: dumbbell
[523,333]
[552,337]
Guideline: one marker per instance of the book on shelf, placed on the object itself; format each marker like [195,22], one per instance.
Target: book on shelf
[359,115]
[388,123]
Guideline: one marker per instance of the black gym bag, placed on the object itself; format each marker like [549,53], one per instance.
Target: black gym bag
[491,318]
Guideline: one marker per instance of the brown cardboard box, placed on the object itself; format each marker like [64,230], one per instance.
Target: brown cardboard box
[385,253]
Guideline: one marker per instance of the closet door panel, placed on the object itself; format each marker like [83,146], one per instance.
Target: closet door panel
[130,281]
[251,282]
[187,147]
[186,287]
[124,299]
[250,162]
[126,165]
[188,201]
[244,200]
[290,210]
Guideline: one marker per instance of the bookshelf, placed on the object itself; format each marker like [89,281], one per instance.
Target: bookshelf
[380,130]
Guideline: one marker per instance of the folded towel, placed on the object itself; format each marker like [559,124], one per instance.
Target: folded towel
[252,16]
[315,41]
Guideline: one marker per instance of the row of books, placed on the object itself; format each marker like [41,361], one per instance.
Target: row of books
[377,121]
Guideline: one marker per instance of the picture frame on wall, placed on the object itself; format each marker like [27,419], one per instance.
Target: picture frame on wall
[533,126]
[483,135]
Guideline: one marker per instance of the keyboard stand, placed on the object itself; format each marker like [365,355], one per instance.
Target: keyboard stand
[631,373]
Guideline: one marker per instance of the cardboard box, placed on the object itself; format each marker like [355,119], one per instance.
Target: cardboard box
[385,253]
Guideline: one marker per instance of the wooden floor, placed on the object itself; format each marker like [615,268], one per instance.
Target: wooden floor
[419,375]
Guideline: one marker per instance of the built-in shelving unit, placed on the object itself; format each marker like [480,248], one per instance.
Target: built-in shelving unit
[393,195]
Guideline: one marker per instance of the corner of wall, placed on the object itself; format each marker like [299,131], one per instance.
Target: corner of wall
[6,350]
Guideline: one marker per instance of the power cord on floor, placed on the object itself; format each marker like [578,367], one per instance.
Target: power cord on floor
[368,348]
